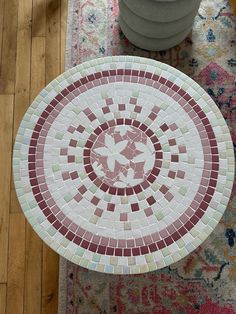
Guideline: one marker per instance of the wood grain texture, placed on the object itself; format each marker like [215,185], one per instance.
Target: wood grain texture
[22,82]
[3,295]
[16,264]
[52,62]
[53,40]
[9,44]
[64,11]
[23,56]
[37,66]
[50,281]
[33,33]
[33,253]
[33,272]
[1,25]
[39,18]
[6,125]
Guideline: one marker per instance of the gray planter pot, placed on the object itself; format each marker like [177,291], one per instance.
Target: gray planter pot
[162,11]
[153,44]
[156,29]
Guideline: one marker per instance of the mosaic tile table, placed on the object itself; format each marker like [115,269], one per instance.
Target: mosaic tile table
[123,165]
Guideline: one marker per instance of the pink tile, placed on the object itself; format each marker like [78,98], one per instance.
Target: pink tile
[95,200]
[88,235]
[189,212]
[139,242]
[156,236]
[173,127]
[121,243]
[147,239]
[171,174]
[73,227]
[78,197]
[135,207]
[63,151]
[169,196]
[109,101]
[163,233]
[198,198]
[151,200]
[111,207]
[137,109]
[121,107]
[104,241]
[80,231]
[123,217]
[73,143]
[163,89]
[172,142]
[174,158]
[96,239]
[130,243]
[133,101]
[71,159]
[61,216]
[180,174]
[152,116]
[171,229]
[170,92]
[98,212]
[184,218]
[202,190]
[148,211]
[182,149]
[164,127]
[164,189]
[66,175]
[194,205]
[112,242]
[177,224]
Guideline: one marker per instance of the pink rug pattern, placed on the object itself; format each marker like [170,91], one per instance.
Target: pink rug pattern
[204,281]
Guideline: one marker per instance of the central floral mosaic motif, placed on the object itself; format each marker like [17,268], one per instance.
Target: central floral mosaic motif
[123,156]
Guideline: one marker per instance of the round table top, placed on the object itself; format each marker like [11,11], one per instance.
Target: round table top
[123,165]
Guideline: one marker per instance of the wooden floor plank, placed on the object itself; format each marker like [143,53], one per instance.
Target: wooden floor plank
[33,272]
[9,43]
[6,124]
[22,85]
[16,264]
[39,18]
[64,11]
[1,26]
[53,33]
[23,57]
[52,61]
[33,266]
[3,295]
[37,66]
[50,281]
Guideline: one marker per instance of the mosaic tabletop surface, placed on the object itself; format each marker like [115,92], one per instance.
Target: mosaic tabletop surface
[123,165]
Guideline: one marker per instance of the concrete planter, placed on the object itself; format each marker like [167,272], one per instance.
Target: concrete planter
[149,43]
[157,24]
[162,11]
[156,29]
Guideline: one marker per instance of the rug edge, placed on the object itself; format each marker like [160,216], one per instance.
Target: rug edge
[62,287]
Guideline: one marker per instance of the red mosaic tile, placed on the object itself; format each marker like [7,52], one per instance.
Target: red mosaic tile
[135,207]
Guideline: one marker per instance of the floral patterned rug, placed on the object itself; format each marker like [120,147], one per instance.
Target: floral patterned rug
[205,281]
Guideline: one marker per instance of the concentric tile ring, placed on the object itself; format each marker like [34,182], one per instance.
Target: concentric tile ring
[123,165]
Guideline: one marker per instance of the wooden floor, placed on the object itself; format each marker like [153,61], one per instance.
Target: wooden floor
[32,45]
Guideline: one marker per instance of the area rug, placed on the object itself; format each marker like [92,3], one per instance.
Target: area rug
[205,281]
